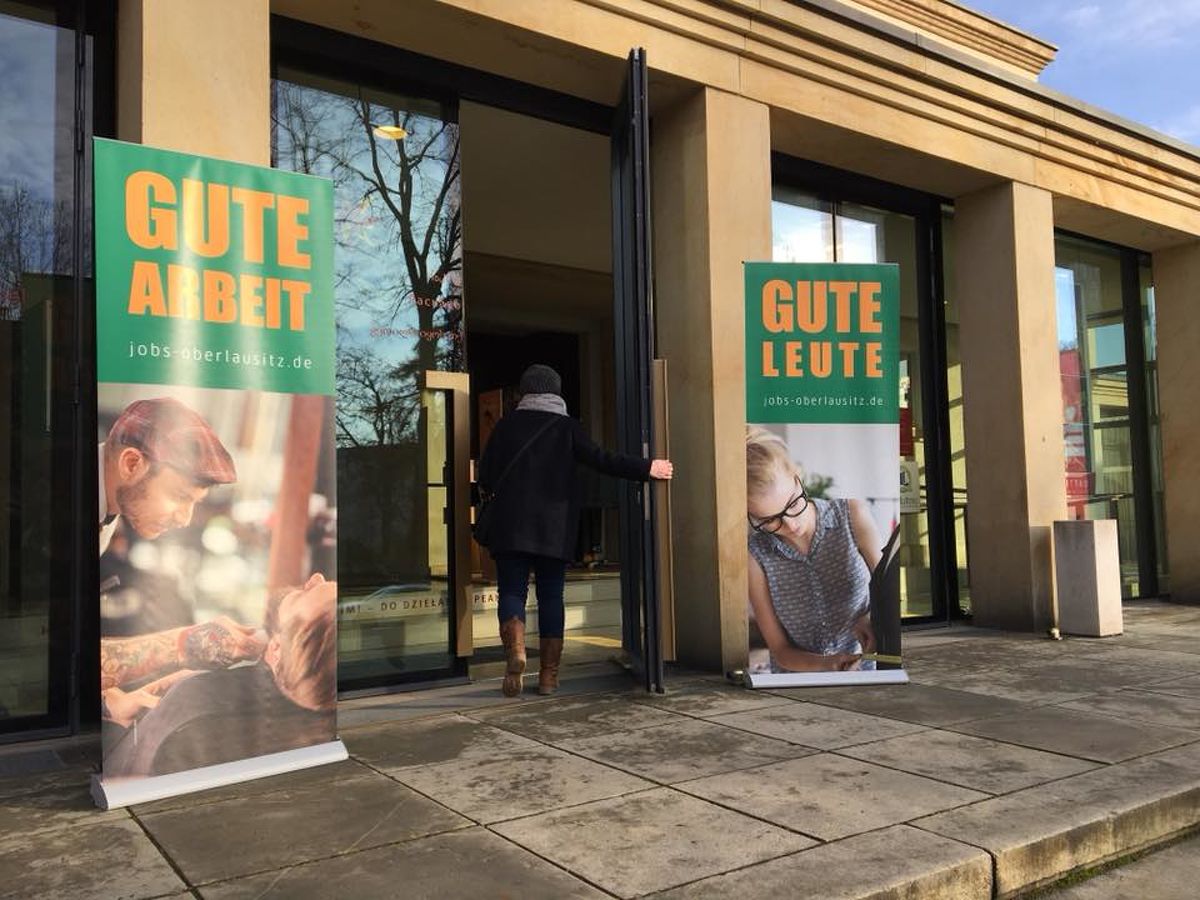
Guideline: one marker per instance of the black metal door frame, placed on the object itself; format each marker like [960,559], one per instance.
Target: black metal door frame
[1139,423]
[633,327]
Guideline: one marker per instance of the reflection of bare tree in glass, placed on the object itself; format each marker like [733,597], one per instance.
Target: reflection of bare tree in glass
[398,227]
[385,399]
[407,191]
[304,136]
[35,238]
[423,199]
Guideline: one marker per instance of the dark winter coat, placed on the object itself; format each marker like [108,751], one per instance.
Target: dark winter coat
[537,502]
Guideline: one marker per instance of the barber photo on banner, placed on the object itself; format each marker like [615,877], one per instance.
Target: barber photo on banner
[216,474]
[822,485]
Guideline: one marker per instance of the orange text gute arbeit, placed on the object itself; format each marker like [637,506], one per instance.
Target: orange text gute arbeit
[195,218]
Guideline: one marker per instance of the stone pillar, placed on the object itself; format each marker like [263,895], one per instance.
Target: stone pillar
[1008,341]
[711,177]
[1177,302]
[196,77]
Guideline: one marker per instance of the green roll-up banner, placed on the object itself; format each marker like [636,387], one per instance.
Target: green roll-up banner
[217,494]
[822,468]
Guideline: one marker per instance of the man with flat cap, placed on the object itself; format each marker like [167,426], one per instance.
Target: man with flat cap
[160,459]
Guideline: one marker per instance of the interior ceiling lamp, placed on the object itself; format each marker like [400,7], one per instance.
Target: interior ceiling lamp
[392,132]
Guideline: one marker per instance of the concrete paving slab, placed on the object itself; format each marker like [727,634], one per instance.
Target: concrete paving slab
[291,781]
[1157,610]
[1139,705]
[1178,661]
[651,841]
[471,863]
[691,749]
[969,762]
[18,763]
[1171,640]
[1081,734]
[563,720]
[894,863]
[257,833]
[584,680]
[936,637]
[1005,649]
[519,784]
[922,704]
[1039,834]
[1160,629]
[1102,672]
[1187,756]
[399,746]
[1039,681]
[1006,684]
[1169,874]
[829,796]
[110,859]
[57,780]
[814,725]
[703,699]
[51,802]
[1179,687]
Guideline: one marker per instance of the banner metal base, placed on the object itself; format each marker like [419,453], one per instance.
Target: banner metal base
[114,793]
[824,679]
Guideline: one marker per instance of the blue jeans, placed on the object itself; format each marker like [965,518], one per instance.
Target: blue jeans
[512,572]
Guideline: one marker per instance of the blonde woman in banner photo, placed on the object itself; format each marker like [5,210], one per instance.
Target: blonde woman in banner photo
[810,569]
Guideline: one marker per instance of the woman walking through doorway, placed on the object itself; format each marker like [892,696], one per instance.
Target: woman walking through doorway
[531,517]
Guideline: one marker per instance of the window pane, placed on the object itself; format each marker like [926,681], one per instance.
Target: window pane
[37,143]
[860,234]
[394,163]
[801,226]
[1095,393]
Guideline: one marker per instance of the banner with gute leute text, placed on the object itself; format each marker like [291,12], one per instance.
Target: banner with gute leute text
[823,490]
[216,488]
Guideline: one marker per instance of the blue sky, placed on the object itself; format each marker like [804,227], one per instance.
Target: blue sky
[1139,59]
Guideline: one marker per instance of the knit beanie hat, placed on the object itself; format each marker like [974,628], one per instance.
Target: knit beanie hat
[539,379]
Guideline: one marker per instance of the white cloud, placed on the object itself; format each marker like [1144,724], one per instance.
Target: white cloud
[1130,24]
[1083,16]
[1184,125]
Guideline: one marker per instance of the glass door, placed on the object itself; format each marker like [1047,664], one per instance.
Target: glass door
[394,163]
[1106,387]
[45,137]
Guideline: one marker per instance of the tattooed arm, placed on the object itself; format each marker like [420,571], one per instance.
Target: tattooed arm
[210,645]
[123,660]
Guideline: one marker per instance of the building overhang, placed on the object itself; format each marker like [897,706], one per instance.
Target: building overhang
[846,86]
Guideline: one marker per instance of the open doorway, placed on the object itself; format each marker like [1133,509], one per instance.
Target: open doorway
[470,241]
[538,284]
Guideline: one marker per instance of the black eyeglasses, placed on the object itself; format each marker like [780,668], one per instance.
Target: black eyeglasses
[795,507]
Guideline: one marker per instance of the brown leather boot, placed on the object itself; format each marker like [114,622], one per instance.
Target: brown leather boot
[551,656]
[512,633]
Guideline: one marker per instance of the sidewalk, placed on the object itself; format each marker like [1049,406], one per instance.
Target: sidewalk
[1010,761]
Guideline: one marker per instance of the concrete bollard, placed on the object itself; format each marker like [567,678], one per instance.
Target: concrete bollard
[1087,570]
